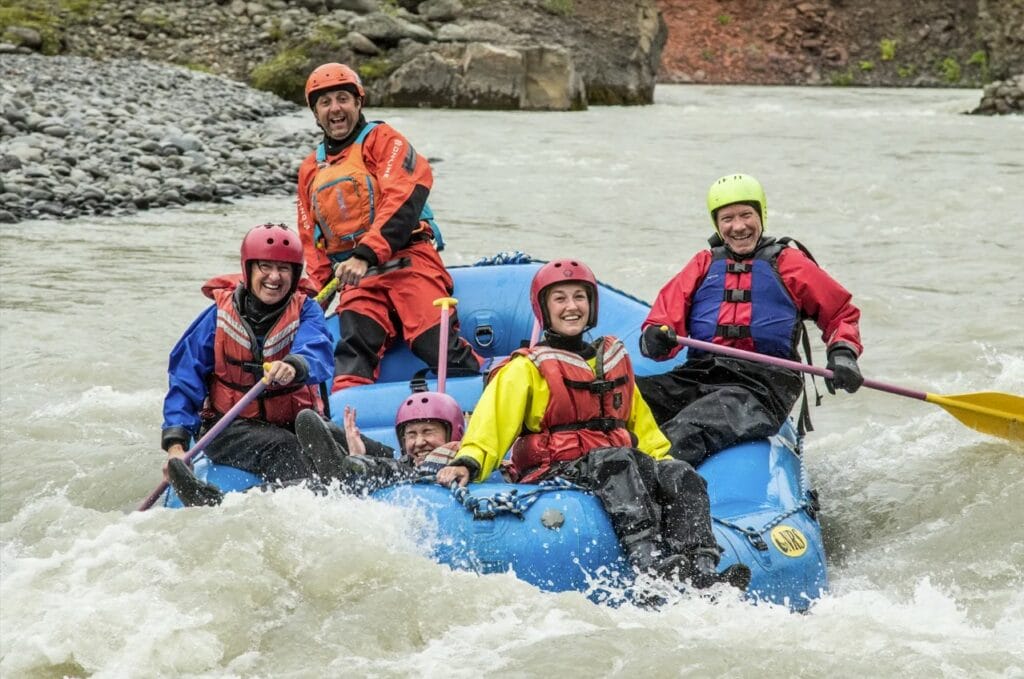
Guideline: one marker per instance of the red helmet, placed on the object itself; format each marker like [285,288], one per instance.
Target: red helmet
[431,405]
[330,76]
[562,271]
[271,242]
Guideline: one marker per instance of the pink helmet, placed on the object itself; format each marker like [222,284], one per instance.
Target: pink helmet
[562,271]
[431,405]
[271,242]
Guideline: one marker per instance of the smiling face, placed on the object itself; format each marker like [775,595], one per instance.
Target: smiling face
[337,112]
[269,281]
[740,227]
[568,308]
[423,436]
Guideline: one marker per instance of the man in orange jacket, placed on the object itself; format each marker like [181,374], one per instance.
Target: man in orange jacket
[362,202]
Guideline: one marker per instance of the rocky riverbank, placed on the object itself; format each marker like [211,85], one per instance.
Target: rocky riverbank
[80,137]
[493,54]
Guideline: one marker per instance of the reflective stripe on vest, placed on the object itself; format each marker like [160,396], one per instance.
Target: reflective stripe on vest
[239,357]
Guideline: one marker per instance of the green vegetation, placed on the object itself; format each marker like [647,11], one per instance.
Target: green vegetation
[843,79]
[980,59]
[561,7]
[950,69]
[274,32]
[285,73]
[376,69]
[328,35]
[49,18]
[905,71]
[724,19]
[867,65]
[887,48]
[707,55]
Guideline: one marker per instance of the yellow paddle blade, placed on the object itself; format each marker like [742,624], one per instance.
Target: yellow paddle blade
[989,412]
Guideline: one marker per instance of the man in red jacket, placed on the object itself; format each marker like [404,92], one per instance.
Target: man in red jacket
[750,292]
[362,202]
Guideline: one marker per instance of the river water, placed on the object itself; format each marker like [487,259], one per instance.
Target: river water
[917,209]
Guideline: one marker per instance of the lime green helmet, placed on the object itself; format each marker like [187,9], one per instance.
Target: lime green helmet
[737,188]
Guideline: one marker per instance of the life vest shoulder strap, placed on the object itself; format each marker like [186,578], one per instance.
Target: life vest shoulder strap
[321,148]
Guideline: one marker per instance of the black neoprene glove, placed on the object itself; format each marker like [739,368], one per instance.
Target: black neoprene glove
[655,342]
[845,371]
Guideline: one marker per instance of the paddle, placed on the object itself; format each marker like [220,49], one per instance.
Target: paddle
[216,429]
[442,349]
[390,265]
[989,412]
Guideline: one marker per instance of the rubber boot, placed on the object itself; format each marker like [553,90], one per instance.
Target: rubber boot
[191,491]
[319,449]
[703,573]
[651,557]
[643,554]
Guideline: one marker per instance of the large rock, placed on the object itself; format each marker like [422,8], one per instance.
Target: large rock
[615,44]
[552,82]
[1002,97]
[386,30]
[492,78]
[427,80]
[485,76]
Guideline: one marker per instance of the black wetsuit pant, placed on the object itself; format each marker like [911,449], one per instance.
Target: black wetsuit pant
[648,501]
[377,473]
[712,402]
[264,449]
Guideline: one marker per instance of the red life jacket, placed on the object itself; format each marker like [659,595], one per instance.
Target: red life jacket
[589,407]
[238,358]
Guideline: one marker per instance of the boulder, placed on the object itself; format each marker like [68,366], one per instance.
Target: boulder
[493,78]
[552,83]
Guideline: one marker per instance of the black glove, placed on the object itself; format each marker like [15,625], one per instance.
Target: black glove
[845,372]
[655,342]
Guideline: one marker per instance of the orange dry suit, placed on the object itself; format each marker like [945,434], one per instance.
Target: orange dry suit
[343,198]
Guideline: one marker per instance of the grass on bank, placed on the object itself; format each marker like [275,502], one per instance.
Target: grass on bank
[47,17]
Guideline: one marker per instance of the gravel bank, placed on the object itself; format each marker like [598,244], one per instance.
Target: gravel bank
[82,137]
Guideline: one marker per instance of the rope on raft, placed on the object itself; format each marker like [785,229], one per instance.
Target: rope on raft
[511,502]
[505,257]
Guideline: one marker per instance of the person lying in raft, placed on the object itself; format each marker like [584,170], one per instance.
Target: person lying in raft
[570,409]
[429,426]
[263,315]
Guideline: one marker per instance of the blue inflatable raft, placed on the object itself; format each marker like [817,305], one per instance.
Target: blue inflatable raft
[556,537]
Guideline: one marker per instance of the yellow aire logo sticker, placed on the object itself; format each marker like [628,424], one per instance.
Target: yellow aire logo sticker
[789,540]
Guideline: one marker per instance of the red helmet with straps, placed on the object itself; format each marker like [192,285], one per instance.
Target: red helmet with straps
[330,76]
[562,271]
[272,243]
[431,405]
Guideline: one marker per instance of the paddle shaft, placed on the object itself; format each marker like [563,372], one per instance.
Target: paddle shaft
[390,265]
[794,365]
[944,401]
[208,437]
[446,303]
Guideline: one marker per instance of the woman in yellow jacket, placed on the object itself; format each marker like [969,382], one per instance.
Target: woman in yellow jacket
[570,408]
